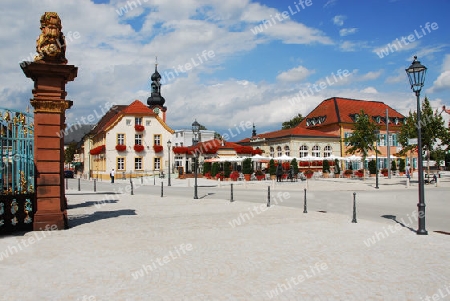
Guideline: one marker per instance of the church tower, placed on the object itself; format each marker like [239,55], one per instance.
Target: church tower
[156,101]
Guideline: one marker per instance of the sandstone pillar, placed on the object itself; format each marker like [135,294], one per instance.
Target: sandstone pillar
[50,75]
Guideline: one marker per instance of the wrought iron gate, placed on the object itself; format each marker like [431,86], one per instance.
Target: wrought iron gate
[17,197]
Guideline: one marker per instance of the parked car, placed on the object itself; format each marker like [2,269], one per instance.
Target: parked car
[68,174]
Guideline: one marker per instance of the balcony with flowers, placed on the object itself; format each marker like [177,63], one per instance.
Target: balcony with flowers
[139,127]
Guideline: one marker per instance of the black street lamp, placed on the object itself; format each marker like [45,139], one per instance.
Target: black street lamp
[416,74]
[377,132]
[169,149]
[195,131]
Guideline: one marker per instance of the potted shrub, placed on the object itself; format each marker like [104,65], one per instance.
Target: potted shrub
[372,168]
[259,175]
[294,166]
[325,168]
[207,168]
[337,169]
[247,168]
[214,169]
[384,171]
[309,173]
[393,166]
[272,169]
[227,169]
[401,166]
[348,173]
[359,173]
[234,175]
[220,176]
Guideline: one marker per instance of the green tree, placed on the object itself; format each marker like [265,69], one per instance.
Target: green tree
[206,167]
[69,152]
[293,122]
[393,165]
[272,167]
[373,167]
[337,169]
[247,166]
[215,169]
[363,137]
[433,131]
[401,165]
[325,166]
[227,169]
[294,165]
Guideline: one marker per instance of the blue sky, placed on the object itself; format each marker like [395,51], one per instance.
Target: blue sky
[247,76]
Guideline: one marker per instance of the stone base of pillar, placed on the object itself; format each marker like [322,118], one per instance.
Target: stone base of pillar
[50,220]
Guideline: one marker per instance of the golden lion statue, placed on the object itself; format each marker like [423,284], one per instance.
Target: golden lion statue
[51,45]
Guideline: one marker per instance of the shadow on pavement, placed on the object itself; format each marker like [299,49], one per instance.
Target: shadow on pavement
[75,221]
[394,218]
[90,203]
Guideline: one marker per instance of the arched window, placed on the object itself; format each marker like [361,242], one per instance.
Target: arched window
[279,151]
[286,150]
[272,151]
[327,151]
[303,151]
[316,151]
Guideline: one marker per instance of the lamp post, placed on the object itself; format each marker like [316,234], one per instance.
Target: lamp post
[377,133]
[169,148]
[416,74]
[195,132]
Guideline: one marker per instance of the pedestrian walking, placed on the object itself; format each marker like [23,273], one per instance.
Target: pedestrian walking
[112,174]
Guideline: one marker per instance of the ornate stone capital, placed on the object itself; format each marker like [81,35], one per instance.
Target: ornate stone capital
[51,106]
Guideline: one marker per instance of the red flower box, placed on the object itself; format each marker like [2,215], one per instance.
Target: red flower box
[121,147]
[180,150]
[97,150]
[138,148]
[139,127]
[158,148]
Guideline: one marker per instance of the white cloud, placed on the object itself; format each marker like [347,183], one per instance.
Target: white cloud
[399,76]
[369,90]
[372,75]
[442,83]
[348,46]
[329,3]
[339,20]
[295,74]
[347,31]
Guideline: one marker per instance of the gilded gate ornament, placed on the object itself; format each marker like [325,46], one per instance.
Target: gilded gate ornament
[51,45]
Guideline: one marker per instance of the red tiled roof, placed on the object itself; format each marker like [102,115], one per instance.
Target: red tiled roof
[339,110]
[137,107]
[293,132]
[111,114]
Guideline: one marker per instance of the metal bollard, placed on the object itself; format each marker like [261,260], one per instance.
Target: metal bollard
[354,208]
[268,196]
[154,178]
[79,184]
[142,180]
[305,210]
[131,183]
[231,199]
[162,189]
[95,185]
[67,183]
